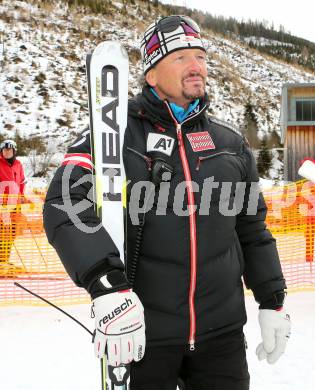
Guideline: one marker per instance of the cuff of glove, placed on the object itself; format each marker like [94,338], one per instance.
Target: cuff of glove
[113,281]
[275,302]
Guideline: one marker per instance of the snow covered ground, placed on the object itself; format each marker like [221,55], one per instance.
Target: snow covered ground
[42,349]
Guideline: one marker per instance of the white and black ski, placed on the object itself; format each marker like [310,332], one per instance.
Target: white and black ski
[107,74]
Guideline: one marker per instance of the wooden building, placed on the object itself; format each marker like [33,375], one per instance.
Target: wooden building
[297,126]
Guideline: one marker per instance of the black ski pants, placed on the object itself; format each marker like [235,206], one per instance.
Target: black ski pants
[216,364]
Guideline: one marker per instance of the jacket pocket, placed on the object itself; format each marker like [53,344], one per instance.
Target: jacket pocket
[145,158]
[221,172]
[214,155]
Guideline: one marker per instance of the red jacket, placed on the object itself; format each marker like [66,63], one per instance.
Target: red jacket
[12,179]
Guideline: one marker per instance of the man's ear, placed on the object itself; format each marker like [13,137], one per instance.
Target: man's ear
[150,77]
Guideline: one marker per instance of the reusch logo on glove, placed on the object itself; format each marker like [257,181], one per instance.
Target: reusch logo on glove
[124,306]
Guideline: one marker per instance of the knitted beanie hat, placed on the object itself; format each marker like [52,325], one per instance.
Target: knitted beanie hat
[167,35]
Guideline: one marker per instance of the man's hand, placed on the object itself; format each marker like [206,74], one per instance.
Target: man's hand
[275,328]
[119,327]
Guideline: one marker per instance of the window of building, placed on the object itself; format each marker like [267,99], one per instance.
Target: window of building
[305,110]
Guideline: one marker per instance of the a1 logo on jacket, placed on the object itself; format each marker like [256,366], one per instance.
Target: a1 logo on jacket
[160,143]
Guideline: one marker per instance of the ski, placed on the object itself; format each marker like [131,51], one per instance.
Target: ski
[107,74]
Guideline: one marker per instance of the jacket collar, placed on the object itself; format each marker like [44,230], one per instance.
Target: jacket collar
[9,161]
[146,105]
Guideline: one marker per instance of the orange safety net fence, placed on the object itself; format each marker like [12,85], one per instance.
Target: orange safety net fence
[27,257]
[291,219]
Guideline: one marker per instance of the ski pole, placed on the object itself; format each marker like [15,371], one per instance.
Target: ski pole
[53,305]
[62,311]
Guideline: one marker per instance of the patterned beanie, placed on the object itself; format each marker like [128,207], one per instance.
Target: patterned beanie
[167,35]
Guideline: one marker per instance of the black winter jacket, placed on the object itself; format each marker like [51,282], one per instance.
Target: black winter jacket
[193,252]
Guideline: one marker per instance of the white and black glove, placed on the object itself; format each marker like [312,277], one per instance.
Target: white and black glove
[275,328]
[119,319]
[307,169]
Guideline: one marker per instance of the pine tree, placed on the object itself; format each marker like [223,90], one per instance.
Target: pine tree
[251,125]
[264,160]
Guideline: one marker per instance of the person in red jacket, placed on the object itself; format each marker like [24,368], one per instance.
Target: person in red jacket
[12,183]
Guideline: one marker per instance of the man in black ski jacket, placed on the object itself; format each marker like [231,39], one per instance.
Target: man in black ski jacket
[191,236]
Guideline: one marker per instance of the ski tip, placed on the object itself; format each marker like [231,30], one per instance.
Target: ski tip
[112,48]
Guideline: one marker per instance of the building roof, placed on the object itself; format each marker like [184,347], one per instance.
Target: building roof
[300,85]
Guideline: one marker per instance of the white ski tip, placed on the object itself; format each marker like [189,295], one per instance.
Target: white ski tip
[112,48]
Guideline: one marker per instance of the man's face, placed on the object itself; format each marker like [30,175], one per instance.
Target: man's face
[7,152]
[180,77]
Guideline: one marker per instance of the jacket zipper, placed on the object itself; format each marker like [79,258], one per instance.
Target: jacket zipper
[192,227]
[200,159]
